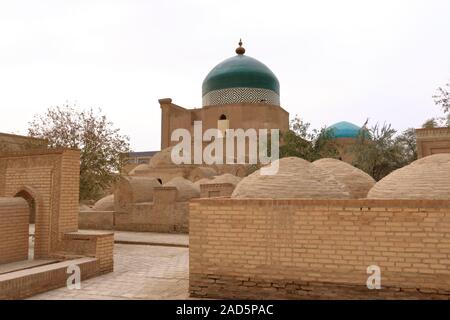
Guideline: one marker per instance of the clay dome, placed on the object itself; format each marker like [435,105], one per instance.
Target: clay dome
[202,173]
[296,178]
[140,169]
[202,181]
[357,181]
[162,159]
[426,178]
[224,178]
[134,190]
[105,204]
[436,159]
[239,170]
[84,207]
[186,189]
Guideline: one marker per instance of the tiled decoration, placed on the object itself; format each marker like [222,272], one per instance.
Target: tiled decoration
[240,95]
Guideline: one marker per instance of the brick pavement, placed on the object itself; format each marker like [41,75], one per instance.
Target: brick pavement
[141,272]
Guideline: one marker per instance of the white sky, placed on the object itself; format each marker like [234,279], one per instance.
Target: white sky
[335,60]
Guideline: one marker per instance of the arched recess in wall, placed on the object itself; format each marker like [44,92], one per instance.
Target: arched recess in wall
[35,204]
[31,203]
[223,124]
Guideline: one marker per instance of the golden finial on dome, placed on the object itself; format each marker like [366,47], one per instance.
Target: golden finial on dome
[240,49]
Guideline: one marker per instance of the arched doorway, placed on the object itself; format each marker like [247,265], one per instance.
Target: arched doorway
[32,220]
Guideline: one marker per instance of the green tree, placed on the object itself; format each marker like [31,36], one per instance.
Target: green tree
[310,144]
[441,99]
[378,151]
[100,143]
[408,146]
[431,123]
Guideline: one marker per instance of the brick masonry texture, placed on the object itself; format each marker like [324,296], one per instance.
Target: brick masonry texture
[14,214]
[28,282]
[254,248]
[51,179]
[432,140]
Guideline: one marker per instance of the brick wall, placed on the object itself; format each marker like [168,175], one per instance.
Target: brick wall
[51,178]
[164,214]
[14,143]
[29,282]
[154,217]
[104,253]
[97,244]
[14,214]
[96,220]
[242,248]
[211,190]
[69,191]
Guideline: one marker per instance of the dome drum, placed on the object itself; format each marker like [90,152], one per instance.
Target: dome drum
[240,95]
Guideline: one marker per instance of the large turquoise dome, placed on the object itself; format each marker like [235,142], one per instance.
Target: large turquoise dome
[345,129]
[240,79]
[240,71]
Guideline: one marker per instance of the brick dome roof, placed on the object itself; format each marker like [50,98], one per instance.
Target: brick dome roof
[202,181]
[223,178]
[186,189]
[426,178]
[105,204]
[202,173]
[296,178]
[162,159]
[139,169]
[357,181]
[135,189]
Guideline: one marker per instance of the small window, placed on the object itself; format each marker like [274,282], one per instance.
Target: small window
[223,117]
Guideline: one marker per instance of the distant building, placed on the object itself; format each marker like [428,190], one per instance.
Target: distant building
[432,140]
[345,134]
[133,159]
[239,93]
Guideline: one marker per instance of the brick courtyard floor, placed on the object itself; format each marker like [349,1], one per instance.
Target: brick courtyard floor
[141,272]
[168,239]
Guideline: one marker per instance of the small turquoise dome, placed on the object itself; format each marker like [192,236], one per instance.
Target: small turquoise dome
[240,79]
[345,129]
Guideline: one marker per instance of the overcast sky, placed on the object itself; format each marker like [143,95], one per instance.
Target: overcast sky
[335,60]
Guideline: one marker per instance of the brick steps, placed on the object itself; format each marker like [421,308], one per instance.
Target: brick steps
[22,265]
[25,283]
